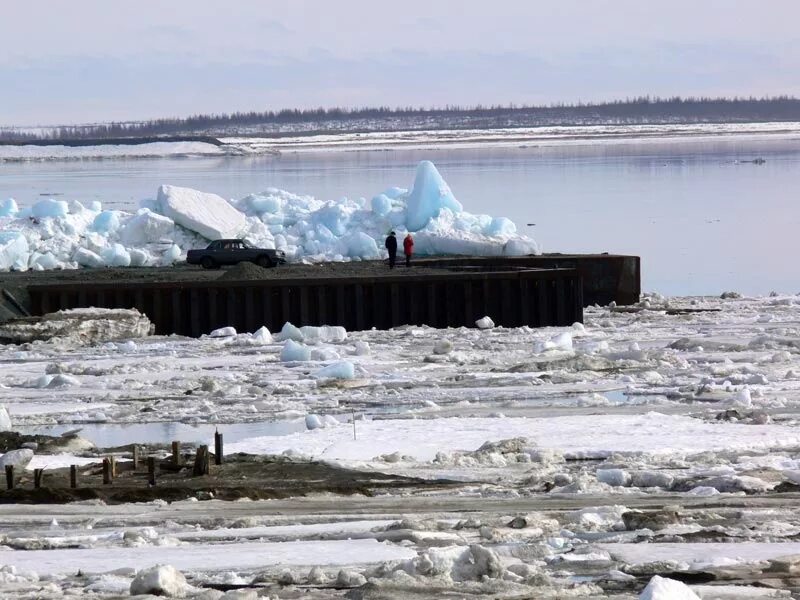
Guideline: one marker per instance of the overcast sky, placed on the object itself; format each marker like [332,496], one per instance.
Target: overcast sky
[65,61]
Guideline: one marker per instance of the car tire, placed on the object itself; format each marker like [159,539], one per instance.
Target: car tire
[208,262]
[264,261]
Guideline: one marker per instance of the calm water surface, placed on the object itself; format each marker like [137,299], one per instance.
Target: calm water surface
[702,221]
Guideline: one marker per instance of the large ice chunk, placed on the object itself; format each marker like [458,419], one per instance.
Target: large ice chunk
[161,580]
[86,258]
[146,227]
[107,221]
[381,205]
[561,342]
[5,419]
[295,352]
[207,214]
[8,208]
[116,256]
[429,195]
[18,458]
[500,226]
[662,588]
[50,208]
[339,370]
[14,251]
[360,245]
[521,247]
[325,333]
[289,332]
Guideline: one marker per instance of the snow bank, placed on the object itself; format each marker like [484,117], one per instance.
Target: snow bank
[583,436]
[55,234]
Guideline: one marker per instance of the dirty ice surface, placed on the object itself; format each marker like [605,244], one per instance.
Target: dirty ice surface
[60,234]
[658,439]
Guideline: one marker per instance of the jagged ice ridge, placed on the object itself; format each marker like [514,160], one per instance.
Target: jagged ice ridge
[55,234]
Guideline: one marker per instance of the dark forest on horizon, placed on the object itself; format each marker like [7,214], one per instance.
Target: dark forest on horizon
[642,110]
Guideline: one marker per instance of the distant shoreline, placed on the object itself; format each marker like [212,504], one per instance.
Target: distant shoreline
[433,139]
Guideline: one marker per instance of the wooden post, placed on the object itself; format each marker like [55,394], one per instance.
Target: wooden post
[106,471]
[135,457]
[113,461]
[37,478]
[217,448]
[73,476]
[201,462]
[9,477]
[151,470]
[176,453]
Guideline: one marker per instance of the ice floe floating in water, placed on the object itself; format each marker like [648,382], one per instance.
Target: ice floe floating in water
[56,234]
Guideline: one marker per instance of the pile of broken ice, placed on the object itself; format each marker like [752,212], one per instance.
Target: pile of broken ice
[56,234]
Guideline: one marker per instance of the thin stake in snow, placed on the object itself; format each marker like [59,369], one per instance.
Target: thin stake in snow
[217,447]
[151,470]
[176,453]
[37,478]
[9,477]
[73,476]
[354,424]
[135,457]
[106,471]
[201,462]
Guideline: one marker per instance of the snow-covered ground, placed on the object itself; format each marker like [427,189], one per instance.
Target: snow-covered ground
[56,234]
[646,443]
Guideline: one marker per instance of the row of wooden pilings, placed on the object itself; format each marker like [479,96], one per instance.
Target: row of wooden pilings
[200,467]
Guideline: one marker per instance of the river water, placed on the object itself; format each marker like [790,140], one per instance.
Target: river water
[703,220]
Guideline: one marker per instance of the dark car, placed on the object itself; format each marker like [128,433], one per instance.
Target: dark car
[231,252]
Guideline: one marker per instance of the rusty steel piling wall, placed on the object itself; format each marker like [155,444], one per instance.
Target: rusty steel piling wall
[606,277]
[511,298]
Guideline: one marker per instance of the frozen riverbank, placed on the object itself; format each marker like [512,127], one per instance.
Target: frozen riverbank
[420,139]
[590,457]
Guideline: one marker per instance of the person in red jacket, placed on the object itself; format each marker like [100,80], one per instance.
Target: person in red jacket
[408,248]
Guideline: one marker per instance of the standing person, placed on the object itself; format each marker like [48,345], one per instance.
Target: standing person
[391,246]
[408,248]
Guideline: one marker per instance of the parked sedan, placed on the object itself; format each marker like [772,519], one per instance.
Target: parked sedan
[231,252]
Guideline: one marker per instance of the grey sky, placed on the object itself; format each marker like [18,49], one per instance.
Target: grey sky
[93,60]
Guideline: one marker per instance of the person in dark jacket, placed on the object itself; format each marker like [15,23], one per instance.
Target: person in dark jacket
[408,248]
[391,246]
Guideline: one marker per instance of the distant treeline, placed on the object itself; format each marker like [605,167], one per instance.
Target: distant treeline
[629,111]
